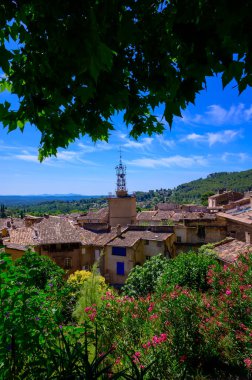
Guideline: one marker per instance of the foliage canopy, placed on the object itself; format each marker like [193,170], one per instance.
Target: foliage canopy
[74,65]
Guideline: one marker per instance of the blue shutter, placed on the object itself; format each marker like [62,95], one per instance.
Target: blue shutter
[120,268]
[118,251]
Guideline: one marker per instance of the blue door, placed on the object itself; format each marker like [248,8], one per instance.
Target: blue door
[120,268]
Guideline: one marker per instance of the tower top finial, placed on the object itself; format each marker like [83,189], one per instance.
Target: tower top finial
[121,190]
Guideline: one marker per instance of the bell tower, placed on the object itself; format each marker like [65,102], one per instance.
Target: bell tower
[122,207]
[121,190]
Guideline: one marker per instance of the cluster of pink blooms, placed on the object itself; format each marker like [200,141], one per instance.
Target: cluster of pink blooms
[91,311]
[136,359]
[155,341]
[248,363]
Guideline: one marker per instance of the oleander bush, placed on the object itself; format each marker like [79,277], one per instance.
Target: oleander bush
[180,331]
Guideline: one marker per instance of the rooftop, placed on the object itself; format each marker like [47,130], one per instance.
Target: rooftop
[130,238]
[230,249]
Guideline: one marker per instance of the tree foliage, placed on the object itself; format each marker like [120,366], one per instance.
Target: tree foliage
[74,65]
[39,271]
[142,280]
[188,270]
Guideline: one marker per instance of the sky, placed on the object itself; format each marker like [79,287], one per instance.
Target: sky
[213,136]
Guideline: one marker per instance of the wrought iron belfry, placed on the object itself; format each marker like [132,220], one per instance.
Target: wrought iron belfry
[121,176]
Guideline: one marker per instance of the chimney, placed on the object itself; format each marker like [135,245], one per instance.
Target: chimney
[118,230]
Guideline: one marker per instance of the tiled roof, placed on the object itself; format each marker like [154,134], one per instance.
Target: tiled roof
[11,222]
[163,215]
[230,249]
[17,247]
[24,236]
[87,237]
[50,230]
[130,238]
[104,238]
[146,215]
[53,230]
[243,217]
[100,215]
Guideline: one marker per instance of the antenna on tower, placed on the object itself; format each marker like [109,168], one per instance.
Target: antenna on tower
[121,190]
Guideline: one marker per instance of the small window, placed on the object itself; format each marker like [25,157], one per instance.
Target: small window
[201,232]
[53,248]
[146,242]
[159,244]
[147,257]
[179,240]
[120,268]
[68,263]
[118,251]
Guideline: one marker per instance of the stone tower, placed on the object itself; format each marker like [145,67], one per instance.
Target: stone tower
[122,208]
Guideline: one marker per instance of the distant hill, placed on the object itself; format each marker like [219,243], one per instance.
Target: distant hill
[194,190]
[21,200]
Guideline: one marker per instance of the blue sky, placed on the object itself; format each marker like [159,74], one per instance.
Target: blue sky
[214,135]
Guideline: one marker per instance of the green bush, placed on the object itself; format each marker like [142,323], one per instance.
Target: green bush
[39,271]
[143,279]
[188,270]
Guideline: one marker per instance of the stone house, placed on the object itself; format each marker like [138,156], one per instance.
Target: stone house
[133,247]
[217,201]
[53,236]
[191,228]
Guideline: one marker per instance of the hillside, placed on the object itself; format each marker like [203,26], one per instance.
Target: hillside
[194,190]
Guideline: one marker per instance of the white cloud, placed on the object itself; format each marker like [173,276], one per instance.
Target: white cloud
[241,157]
[143,144]
[166,143]
[101,146]
[27,157]
[179,161]
[211,138]
[218,115]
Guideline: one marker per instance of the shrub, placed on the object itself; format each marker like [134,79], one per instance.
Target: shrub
[90,292]
[188,270]
[142,280]
[33,269]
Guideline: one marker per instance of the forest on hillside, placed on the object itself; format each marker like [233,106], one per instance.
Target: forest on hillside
[196,191]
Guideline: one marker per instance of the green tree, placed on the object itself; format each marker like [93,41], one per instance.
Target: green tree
[74,65]
[39,271]
[143,279]
[2,211]
[189,270]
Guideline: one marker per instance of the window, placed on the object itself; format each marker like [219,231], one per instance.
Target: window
[159,243]
[179,240]
[201,232]
[120,268]
[68,263]
[147,257]
[118,251]
[146,242]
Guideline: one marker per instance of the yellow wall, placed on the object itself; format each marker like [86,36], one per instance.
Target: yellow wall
[16,253]
[110,265]
[122,211]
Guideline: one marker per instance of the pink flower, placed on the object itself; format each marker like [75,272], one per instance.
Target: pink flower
[248,362]
[182,358]
[153,316]
[228,292]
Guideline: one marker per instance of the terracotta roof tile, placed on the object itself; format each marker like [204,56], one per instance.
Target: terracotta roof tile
[130,238]
[230,249]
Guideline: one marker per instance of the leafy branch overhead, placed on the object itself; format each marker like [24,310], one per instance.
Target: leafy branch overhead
[73,65]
